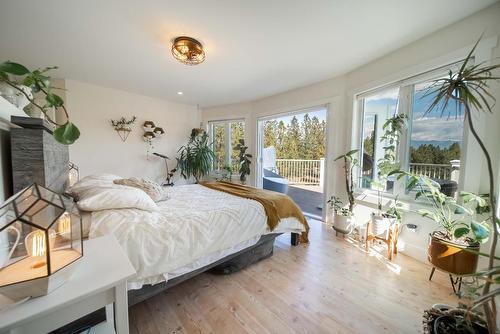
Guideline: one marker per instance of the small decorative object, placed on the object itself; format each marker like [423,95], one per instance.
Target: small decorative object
[122,126]
[26,83]
[41,233]
[169,173]
[188,50]
[244,161]
[158,131]
[151,133]
[148,126]
[74,174]
[343,218]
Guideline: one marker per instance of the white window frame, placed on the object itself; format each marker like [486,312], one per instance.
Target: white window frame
[227,128]
[405,106]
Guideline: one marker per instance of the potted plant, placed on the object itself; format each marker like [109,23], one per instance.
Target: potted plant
[382,221]
[343,218]
[453,248]
[469,89]
[196,157]
[26,83]
[244,160]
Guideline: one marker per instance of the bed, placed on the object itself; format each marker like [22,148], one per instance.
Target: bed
[194,230]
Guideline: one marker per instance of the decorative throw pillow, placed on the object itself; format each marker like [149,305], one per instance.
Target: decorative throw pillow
[119,197]
[153,189]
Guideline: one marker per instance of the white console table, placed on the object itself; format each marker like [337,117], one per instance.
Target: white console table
[99,281]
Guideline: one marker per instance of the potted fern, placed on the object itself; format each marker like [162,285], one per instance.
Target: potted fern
[196,157]
[343,217]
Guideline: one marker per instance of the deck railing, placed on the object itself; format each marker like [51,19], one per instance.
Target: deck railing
[300,171]
[435,171]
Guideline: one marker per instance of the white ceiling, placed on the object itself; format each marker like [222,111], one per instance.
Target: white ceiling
[255,48]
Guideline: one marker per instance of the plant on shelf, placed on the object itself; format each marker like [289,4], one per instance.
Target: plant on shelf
[26,83]
[122,126]
[468,88]
[196,157]
[343,219]
[244,160]
[393,129]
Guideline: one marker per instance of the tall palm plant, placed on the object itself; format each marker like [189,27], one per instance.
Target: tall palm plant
[469,89]
[196,158]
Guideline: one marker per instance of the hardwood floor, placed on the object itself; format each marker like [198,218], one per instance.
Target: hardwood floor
[328,286]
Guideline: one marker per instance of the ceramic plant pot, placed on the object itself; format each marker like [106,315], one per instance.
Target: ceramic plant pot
[343,224]
[381,224]
[452,257]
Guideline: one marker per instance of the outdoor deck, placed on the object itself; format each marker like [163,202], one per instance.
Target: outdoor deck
[308,198]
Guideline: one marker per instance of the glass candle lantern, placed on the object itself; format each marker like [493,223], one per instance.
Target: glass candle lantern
[40,239]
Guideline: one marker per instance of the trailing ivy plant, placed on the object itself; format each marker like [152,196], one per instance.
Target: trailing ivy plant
[393,129]
[14,75]
[196,157]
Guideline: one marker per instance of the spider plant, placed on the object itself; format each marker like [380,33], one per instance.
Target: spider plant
[196,157]
[469,89]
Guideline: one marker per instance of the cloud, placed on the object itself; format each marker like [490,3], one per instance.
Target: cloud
[440,129]
[391,94]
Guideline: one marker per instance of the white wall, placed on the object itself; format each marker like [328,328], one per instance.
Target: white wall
[427,53]
[100,149]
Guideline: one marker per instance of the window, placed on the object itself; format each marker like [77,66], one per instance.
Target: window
[225,135]
[431,145]
[435,139]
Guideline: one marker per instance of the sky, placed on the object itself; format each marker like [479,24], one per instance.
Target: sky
[432,126]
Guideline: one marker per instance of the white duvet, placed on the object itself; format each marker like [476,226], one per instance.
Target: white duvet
[196,226]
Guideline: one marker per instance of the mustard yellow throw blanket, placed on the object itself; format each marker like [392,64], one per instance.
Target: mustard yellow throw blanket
[276,205]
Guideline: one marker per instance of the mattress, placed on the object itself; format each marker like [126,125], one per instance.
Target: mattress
[195,227]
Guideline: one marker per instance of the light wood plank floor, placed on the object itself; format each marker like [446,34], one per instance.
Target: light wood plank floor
[327,286]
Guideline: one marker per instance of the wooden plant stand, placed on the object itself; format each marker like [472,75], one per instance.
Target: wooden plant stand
[390,239]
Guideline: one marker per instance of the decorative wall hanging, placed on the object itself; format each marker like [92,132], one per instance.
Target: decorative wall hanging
[151,133]
[122,126]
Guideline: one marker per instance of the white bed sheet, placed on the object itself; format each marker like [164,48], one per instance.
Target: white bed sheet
[187,233]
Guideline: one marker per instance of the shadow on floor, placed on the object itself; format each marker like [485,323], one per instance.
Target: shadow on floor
[309,201]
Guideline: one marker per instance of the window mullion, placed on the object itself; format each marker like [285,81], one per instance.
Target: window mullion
[405,107]
[228,143]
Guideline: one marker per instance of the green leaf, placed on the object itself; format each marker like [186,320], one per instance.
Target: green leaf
[13,68]
[67,134]
[480,231]
[54,100]
[461,231]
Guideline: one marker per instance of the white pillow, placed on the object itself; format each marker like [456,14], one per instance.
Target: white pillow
[153,189]
[118,197]
[92,182]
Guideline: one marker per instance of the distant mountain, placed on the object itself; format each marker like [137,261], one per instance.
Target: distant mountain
[440,143]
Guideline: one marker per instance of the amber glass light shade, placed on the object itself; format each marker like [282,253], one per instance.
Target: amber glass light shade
[188,50]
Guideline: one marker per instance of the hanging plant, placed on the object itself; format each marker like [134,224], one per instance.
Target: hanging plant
[16,76]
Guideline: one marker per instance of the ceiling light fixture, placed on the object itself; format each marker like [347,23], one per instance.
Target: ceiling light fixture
[188,50]
[180,93]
